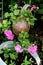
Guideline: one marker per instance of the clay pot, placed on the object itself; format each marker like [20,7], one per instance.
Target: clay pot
[20,26]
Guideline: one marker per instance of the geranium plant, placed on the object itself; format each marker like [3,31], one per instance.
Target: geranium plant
[15,27]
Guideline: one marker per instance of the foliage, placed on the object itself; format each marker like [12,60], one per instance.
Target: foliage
[9,53]
[24,39]
[12,56]
[17,15]
[25,62]
[5,25]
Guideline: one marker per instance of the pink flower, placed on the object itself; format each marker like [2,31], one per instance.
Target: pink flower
[18,48]
[9,34]
[32,49]
[33,8]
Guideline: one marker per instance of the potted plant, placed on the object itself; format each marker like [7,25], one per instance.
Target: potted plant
[15,27]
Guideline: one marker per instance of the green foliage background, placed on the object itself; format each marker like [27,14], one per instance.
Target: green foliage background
[22,2]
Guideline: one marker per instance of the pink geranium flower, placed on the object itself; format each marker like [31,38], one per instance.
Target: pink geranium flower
[32,49]
[33,8]
[18,48]
[9,34]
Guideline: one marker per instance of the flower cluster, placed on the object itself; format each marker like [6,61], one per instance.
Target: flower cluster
[9,34]
[18,48]
[32,49]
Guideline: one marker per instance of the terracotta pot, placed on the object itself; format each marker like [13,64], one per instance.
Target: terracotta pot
[20,26]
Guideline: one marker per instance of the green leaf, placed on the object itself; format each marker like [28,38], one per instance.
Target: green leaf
[6,15]
[16,12]
[11,14]
[6,55]
[6,61]
[6,50]
[31,23]
[12,63]
[27,62]
[25,13]
[15,7]
[27,19]
[13,21]
[4,21]
[0,25]
[12,8]
[1,51]
[12,56]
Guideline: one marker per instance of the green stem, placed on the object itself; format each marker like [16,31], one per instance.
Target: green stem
[30,2]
